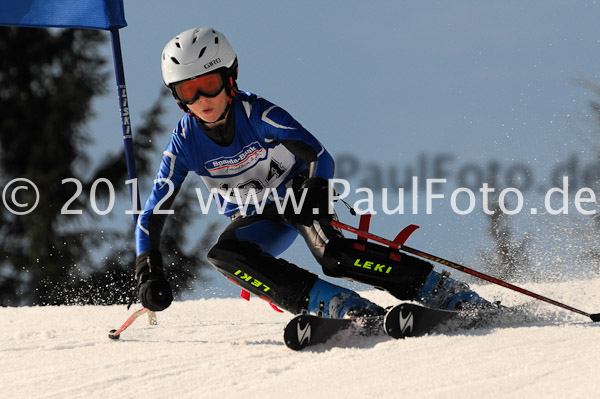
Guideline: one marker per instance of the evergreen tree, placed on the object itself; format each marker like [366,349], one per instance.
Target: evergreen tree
[48,79]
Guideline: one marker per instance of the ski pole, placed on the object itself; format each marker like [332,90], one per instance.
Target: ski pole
[595,317]
[115,334]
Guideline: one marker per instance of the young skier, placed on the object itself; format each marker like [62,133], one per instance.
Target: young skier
[237,140]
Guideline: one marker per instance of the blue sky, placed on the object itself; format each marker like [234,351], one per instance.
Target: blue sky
[393,81]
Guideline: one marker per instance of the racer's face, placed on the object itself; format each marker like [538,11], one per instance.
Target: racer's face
[209,109]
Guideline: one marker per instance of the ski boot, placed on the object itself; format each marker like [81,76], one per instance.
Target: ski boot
[329,300]
[442,292]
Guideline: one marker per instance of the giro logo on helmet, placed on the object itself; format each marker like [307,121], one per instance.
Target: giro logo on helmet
[213,62]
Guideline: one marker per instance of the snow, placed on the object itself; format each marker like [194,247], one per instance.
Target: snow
[230,348]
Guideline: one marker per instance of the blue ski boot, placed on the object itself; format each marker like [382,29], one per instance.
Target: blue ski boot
[329,300]
[442,292]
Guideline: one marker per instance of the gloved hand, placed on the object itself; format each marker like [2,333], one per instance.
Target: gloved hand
[154,291]
[317,197]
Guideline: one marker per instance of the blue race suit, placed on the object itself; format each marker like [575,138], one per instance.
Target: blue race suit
[257,158]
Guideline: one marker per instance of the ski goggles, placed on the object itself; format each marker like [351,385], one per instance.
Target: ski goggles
[189,91]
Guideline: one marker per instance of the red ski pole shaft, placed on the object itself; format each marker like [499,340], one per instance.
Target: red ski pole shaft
[114,334]
[464,269]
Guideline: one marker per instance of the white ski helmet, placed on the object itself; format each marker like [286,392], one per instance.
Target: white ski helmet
[196,52]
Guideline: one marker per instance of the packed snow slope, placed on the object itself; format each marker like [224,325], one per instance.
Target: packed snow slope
[230,348]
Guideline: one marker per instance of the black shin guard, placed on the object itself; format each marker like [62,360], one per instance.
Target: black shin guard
[280,282]
[400,274]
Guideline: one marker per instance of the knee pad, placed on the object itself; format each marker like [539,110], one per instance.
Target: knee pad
[275,280]
[398,273]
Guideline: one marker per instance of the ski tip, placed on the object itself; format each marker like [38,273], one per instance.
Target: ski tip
[295,336]
[112,334]
[595,317]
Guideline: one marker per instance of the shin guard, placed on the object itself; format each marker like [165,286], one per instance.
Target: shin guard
[400,274]
[275,280]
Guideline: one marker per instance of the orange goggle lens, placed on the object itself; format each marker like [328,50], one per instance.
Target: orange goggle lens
[189,91]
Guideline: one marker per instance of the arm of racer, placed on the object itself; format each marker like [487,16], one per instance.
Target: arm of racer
[170,176]
[280,126]
[154,290]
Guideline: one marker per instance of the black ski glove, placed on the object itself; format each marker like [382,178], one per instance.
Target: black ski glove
[154,291]
[316,198]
